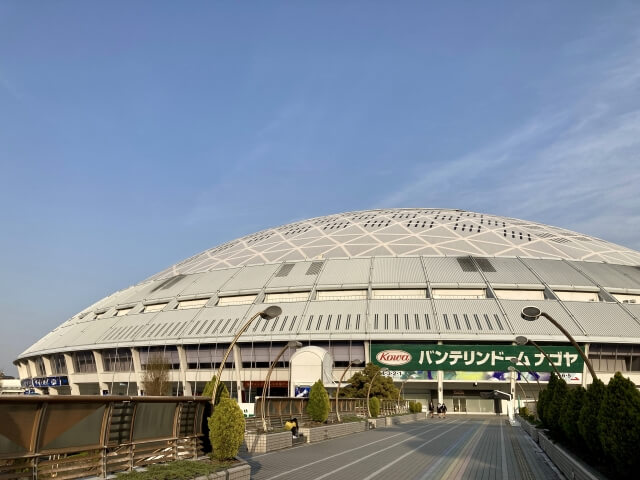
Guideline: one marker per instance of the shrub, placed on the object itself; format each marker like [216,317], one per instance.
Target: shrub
[222,390]
[588,419]
[374,406]
[415,407]
[180,470]
[418,407]
[570,413]
[412,406]
[619,425]
[226,429]
[555,408]
[318,406]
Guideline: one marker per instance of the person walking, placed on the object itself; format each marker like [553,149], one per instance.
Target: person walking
[431,408]
[444,410]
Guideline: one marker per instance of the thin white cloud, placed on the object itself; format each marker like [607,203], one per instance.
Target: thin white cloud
[576,167]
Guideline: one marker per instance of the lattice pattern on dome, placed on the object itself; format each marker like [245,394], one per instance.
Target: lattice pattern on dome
[404,232]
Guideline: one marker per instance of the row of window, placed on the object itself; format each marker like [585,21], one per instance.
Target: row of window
[381,294]
[604,357]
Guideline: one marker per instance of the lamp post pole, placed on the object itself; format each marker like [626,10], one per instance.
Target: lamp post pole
[520,340]
[291,344]
[369,389]
[512,369]
[533,313]
[355,361]
[515,361]
[269,313]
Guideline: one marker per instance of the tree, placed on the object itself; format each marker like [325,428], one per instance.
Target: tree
[222,390]
[226,429]
[554,410]
[382,387]
[318,406]
[619,426]
[570,415]
[155,380]
[588,419]
[374,406]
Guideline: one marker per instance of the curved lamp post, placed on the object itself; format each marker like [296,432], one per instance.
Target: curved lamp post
[515,361]
[291,344]
[521,340]
[512,369]
[532,313]
[268,313]
[355,361]
[370,385]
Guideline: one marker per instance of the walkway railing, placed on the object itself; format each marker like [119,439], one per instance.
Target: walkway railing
[66,437]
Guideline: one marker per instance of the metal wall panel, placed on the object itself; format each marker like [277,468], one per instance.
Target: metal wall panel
[558,273]
[251,278]
[398,271]
[606,275]
[343,317]
[540,327]
[604,319]
[297,277]
[209,282]
[447,270]
[345,272]
[167,288]
[480,308]
[406,310]
[510,271]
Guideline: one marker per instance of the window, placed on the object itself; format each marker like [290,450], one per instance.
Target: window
[459,293]
[195,303]
[40,370]
[58,364]
[99,314]
[236,300]
[626,298]
[160,355]
[578,296]
[117,360]
[154,307]
[84,362]
[520,294]
[403,294]
[123,311]
[342,295]
[286,297]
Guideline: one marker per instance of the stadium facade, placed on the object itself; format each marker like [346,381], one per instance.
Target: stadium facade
[433,294]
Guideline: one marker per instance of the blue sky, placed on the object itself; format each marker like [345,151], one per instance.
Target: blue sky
[136,134]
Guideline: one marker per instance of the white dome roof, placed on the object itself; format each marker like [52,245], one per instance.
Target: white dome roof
[404,232]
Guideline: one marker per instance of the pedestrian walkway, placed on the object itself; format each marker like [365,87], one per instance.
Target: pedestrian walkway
[462,447]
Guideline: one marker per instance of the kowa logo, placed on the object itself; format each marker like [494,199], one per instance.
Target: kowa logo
[393,357]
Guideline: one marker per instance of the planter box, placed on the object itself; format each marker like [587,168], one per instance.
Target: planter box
[324,432]
[566,463]
[412,417]
[266,442]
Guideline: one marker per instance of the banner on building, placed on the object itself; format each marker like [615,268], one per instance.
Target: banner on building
[475,358]
[488,376]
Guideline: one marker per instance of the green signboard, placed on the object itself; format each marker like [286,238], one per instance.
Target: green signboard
[474,358]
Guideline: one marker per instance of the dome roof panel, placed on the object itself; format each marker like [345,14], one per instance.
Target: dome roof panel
[392,230]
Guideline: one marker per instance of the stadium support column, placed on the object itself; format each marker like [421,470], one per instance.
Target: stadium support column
[100,373]
[138,373]
[184,367]
[49,371]
[585,370]
[71,370]
[441,382]
[237,360]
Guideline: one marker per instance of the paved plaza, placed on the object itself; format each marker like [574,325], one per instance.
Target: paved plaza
[459,447]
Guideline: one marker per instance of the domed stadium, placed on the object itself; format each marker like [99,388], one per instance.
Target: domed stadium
[434,295]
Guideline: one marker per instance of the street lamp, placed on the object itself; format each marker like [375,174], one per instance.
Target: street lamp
[268,313]
[511,369]
[291,344]
[532,313]
[370,385]
[521,340]
[355,361]
[516,361]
